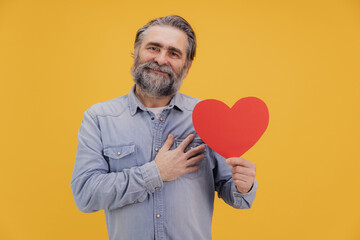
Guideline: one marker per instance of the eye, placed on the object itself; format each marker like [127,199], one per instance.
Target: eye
[152,48]
[174,54]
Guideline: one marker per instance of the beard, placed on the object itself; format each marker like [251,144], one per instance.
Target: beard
[156,84]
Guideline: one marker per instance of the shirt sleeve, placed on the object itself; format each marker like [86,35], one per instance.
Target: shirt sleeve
[226,188]
[94,187]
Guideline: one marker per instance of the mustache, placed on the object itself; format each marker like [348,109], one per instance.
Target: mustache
[155,66]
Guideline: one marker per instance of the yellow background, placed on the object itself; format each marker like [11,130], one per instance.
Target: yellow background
[57,58]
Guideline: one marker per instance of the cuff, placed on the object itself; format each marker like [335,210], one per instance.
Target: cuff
[237,194]
[152,177]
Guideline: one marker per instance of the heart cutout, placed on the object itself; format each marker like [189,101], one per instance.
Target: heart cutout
[231,131]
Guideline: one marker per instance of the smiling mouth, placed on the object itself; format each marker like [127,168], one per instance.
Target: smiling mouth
[159,72]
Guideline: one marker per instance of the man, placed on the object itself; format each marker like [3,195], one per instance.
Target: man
[139,158]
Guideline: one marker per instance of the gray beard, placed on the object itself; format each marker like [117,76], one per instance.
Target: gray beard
[156,85]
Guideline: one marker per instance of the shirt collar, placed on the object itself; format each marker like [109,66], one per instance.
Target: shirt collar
[176,102]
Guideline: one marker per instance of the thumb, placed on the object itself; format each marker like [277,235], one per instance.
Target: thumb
[230,161]
[168,143]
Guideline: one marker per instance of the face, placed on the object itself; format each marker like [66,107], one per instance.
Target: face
[159,63]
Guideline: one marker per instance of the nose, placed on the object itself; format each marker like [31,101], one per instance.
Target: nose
[161,58]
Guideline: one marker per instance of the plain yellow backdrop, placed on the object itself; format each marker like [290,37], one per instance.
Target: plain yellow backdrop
[57,58]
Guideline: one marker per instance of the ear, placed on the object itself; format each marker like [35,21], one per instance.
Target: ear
[187,69]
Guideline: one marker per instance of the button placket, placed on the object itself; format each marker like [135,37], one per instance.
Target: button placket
[158,194]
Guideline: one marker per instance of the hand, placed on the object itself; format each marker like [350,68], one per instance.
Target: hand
[174,163]
[243,173]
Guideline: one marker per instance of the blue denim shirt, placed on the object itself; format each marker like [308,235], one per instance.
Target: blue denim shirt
[115,171]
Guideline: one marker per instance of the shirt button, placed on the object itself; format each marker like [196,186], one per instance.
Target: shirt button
[158,215]
[118,153]
[161,119]
[152,118]
[156,188]
[156,149]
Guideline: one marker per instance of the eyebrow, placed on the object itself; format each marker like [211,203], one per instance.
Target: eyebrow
[161,46]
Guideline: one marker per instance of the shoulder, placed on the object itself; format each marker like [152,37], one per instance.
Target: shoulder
[113,107]
[187,102]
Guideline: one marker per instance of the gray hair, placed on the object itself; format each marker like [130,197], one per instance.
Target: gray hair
[172,21]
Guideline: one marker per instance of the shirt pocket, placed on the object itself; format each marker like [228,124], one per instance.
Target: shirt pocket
[201,163]
[120,157]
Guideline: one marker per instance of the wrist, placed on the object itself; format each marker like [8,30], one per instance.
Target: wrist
[242,190]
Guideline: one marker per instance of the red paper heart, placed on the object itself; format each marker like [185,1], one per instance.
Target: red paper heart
[231,131]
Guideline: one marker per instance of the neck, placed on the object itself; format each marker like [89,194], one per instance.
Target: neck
[150,101]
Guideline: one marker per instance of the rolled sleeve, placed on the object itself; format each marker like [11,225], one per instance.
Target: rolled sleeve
[151,176]
[244,200]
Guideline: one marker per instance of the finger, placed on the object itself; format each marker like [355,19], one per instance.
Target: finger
[194,151]
[168,143]
[239,161]
[195,159]
[243,170]
[192,169]
[239,182]
[239,169]
[186,142]
[242,177]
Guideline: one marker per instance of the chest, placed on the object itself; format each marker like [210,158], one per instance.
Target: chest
[130,141]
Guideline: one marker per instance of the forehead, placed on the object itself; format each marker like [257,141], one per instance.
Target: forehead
[166,36]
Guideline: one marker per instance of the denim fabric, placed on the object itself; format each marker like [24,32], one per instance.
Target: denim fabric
[114,170]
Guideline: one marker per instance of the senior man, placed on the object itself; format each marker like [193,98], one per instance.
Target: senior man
[138,155]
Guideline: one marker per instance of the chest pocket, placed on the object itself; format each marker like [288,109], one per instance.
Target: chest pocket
[201,163]
[120,157]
